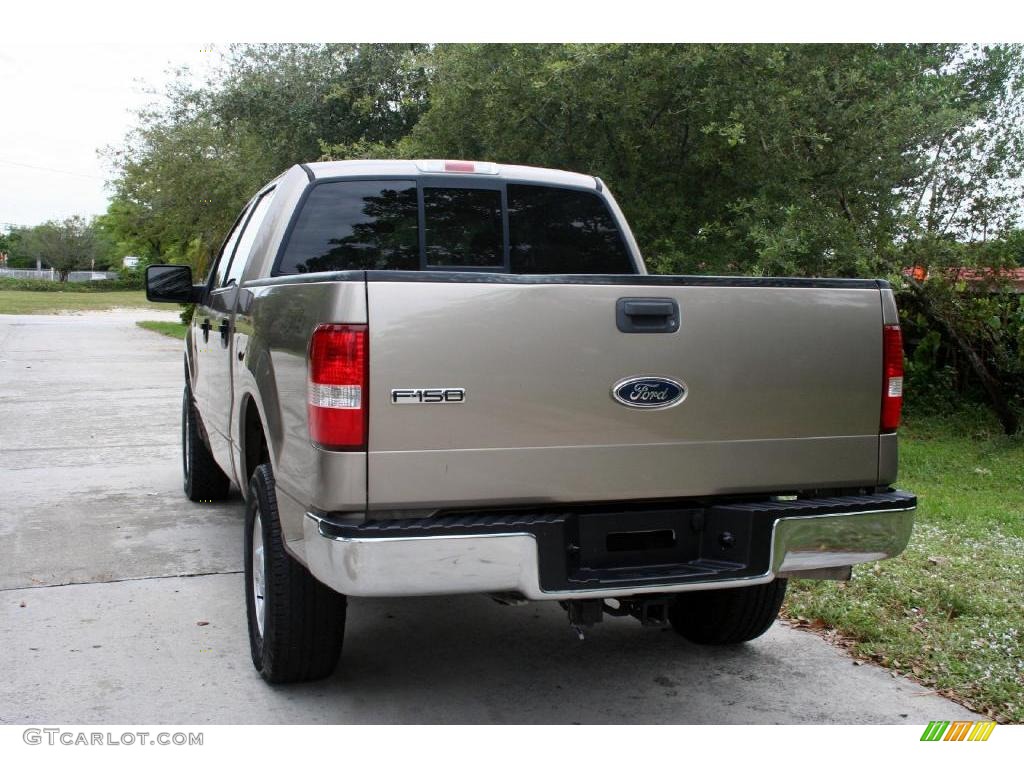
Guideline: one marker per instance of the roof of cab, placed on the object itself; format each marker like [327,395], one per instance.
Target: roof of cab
[339,169]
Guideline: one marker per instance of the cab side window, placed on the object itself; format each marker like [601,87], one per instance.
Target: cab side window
[245,242]
[224,257]
[355,225]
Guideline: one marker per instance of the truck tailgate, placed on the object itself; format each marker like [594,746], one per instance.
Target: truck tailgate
[783,388]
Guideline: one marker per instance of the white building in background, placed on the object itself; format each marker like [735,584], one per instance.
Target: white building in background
[130,261]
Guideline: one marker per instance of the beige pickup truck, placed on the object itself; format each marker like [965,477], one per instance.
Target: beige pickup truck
[442,377]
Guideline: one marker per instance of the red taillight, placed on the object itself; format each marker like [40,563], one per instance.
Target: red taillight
[459,166]
[892,377]
[338,373]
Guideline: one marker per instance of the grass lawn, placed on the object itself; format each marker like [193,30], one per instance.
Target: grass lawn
[173,329]
[949,611]
[52,302]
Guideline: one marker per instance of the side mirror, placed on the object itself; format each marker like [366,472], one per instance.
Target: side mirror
[172,283]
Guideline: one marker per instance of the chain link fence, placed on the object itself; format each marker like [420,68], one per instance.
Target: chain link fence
[51,274]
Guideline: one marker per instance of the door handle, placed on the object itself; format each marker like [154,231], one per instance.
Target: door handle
[224,328]
[647,315]
[205,326]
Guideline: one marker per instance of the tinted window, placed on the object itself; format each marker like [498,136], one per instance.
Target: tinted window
[355,225]
[563,231]
[221,265]
[252,228]
[463,227]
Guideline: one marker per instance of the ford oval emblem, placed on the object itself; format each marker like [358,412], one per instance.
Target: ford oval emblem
[649,392]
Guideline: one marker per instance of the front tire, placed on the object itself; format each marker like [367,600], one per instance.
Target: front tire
[204,480]
[296,624]
[727,616]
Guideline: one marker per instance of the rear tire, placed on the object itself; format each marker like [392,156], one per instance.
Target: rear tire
[296,624]
[204,480]
[727,616]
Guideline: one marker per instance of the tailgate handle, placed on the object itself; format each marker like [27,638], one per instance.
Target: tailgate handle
[647,315]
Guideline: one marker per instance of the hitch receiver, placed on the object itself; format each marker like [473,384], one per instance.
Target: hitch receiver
[651,612]
[584,613]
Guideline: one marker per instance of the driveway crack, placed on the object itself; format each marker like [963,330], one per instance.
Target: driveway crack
[118,581]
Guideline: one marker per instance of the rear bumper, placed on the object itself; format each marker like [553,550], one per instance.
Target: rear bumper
[564,555]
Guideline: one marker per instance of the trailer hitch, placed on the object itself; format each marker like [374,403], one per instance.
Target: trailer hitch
[651,611]
[583,614]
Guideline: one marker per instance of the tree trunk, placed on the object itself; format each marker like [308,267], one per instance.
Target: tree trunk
[997,398]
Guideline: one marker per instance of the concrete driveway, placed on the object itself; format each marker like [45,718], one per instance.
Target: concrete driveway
[121,602]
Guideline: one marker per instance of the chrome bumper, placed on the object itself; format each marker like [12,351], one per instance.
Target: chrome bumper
[508,562]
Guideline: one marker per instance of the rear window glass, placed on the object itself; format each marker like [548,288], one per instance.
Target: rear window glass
[463,227]
[355,225]
[375,225]
[563,231]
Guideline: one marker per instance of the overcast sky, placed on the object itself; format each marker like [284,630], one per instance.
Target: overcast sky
[59,104]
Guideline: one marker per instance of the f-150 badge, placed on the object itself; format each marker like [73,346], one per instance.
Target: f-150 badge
[649,392]
[427,396]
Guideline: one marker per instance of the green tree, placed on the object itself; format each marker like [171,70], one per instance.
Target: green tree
[298,102]
[180,186]
[963,212]
[185,172]
[780,159]
[17,256]
[62,245]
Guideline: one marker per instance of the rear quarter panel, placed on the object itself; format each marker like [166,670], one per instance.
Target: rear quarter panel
[277,329]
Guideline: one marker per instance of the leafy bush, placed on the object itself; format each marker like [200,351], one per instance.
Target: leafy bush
[88,286]
[963,344]
[132,277]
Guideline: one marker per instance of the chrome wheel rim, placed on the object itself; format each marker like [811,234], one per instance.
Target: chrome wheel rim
[258,594]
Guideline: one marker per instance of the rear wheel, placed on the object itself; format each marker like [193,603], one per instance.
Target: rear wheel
[727,616]
[296,624]
[204,480]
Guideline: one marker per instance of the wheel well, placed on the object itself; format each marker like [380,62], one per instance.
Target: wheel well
[254,442]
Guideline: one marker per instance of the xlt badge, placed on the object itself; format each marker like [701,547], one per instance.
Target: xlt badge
[424,396]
